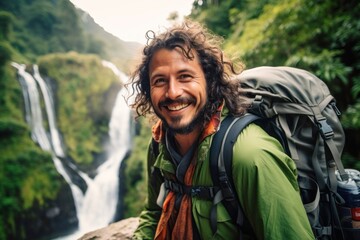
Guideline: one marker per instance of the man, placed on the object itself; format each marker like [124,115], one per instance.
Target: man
[185,80]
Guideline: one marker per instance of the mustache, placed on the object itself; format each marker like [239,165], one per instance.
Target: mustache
[181,100]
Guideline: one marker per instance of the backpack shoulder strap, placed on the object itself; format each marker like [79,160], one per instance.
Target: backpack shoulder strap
[154,147]
[221,170]
[154,152]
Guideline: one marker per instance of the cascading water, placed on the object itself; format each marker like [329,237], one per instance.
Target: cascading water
[97,207]
[33,110]
[102,195]
[49,105]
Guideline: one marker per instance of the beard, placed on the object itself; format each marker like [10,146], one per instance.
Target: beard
[199,120]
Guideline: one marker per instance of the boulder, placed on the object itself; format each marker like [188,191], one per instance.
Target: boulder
[120,230]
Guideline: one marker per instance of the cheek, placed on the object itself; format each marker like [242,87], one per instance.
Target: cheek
[155,97]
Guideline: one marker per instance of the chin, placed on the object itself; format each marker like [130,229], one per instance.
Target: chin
[178,125]
[184,128]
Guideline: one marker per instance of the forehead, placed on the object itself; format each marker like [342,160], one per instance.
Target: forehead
[174,56]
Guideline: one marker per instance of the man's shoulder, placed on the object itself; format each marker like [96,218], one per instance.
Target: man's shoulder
[252,134]
[254,143]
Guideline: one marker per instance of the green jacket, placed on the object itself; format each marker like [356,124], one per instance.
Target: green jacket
[265,181]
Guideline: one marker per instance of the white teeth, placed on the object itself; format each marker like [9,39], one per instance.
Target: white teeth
[177,107]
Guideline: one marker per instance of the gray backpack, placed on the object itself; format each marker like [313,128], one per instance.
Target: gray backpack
[297,108]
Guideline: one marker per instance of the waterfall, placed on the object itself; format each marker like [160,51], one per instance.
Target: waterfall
[49,105]
[101,198]
[102,195]
[97,207]
[33,111]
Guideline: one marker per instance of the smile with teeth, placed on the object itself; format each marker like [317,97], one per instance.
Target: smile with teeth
[177,107]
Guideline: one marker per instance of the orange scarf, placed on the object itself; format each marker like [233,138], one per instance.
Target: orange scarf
[182,224]
[182,228]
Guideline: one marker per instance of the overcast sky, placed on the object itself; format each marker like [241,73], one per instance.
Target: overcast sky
[130,19]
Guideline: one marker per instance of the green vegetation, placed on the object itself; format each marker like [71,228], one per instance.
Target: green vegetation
[41,27]
[135,171]
[27,174]
[55,21]
[20,159]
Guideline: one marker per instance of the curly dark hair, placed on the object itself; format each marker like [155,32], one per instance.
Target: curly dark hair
[191,37]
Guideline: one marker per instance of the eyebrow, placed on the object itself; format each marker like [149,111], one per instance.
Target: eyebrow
[185,70]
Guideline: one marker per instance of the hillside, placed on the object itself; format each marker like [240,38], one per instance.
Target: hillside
[63,27]
[115,50]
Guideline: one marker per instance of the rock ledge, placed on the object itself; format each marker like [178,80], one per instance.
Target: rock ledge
[123,229]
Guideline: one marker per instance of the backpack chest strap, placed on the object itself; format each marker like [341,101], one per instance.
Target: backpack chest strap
[202,192]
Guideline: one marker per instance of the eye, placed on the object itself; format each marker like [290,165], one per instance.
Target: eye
[185,77]
[158,81]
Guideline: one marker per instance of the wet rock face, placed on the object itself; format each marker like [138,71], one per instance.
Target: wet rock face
[121,230]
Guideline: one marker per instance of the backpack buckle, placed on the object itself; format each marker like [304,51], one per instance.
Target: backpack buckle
[206,193]
[325,129]
[195,192]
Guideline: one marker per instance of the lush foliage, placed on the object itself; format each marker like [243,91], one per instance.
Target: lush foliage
[55,21]
[41,27]
[135,171]
[21,161]
[27,175]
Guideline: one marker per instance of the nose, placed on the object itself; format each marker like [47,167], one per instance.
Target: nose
[174,89]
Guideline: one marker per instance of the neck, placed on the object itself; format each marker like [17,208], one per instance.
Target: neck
[185,141]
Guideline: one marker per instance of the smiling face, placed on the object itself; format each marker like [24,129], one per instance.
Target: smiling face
[177,90]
